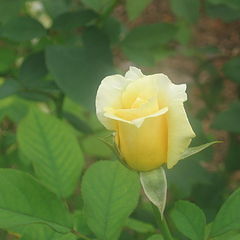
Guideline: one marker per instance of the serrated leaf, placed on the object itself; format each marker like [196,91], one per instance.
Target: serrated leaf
[110,193]
[228,217]
[22,29]
[53,149]
[193,150]
[25,201]
[155,187]
[189,220]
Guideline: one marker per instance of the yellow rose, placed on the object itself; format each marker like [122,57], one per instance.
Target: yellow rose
[148,117]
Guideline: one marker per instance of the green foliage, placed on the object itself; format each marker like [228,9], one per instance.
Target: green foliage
[229,119]
[110,193]
[228,216]
[151,39]
[135,7]
[81,62]
[232,69]
[189,220]
[33,70]
[53,56]
[187,10]
[53,150]
[25,201]
[100,6]
[22,29]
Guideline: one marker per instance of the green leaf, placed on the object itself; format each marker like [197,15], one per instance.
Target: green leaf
[189,220]
[229,119]
[43,232]
[222,11]
[228,236]
[99,5]
[232,69]
[14,108]
[9,87]
[231,3]
[25,201]
[154,184]
[80,223]
[156,237]
[187,10]
[228,217]
[78,123]
[193,150]
[7,58]
[22,29]
[110,193]
[136,7]
[144,44]
[71,20]
[53,149]
[56,7]
[139,226]
[33,70]
[86,66]
[9,10]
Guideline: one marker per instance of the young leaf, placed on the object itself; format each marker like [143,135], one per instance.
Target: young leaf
[193,150]
[189,220]
[53,149]
[110,193]
[228,217]
[155,187]
[25,201]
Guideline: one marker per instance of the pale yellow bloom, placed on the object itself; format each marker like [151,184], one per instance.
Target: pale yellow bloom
[148,117]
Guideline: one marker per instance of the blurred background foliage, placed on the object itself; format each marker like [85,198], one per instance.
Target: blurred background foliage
[53,55]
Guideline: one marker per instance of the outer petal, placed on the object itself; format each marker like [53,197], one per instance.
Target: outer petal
[133,73]
[143,148]
[180,133]
[109,95]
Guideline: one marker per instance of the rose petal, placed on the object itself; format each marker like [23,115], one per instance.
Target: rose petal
[180,133]
[109,95]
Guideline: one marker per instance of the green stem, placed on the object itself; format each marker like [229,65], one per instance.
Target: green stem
[162,223]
